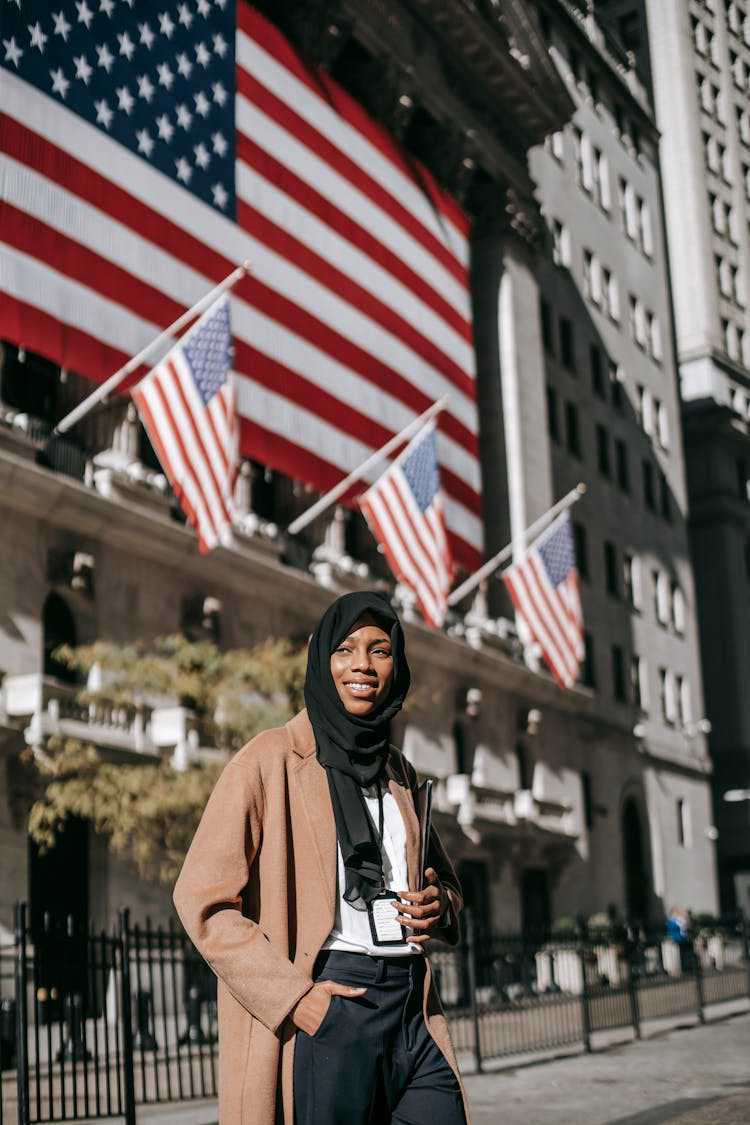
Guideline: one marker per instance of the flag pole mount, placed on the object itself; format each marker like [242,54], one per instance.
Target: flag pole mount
[114,381]
[502,556]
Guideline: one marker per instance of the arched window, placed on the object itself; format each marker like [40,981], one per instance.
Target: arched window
[59,629]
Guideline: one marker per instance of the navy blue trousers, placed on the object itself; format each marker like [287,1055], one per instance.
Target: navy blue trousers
[372,1060]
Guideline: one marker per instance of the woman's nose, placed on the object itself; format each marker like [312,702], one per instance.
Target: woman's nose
[361,659]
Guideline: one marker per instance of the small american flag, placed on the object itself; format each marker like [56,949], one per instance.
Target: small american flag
[187,405]
[404,509]
[544,587]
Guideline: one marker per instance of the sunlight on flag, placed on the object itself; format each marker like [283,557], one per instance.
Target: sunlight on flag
[404,509]
[544,587]
[187,405]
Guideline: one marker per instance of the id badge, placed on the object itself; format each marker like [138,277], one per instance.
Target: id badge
[383,925]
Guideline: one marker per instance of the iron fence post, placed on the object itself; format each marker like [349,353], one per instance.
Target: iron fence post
[471,967]
[585,1008]
[635,1015]
[698,974]
[22,1015]
[127,1020]
[745,937]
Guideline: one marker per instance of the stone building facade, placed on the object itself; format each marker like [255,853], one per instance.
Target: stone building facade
[697,56]
[553,803]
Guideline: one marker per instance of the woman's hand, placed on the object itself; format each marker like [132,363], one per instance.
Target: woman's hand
[309,1012]
[422,910]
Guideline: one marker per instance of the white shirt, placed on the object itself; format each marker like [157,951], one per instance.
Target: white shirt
[351,928]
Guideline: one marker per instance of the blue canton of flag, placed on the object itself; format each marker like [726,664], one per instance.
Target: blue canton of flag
[208,351]
[420,467]
[157,79]
[557,552]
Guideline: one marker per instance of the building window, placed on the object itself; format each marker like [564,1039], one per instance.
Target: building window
[662,609]
[631,572]
[611,569]
[610,295]
[553,422]
[596,363]
[581,548]
[621,465]
[638,683]
[572,431]
[560,243]
[678,609]
[662,424]
[649,486]
[588,674]
[684,825]
[616,384]
[603,457]
[667,696]
[548,338]
[618,674]
[665,497]
[567,349]
[600,176]
[743,481]
[682,701]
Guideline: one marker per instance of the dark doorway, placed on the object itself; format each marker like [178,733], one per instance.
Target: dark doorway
[636,877]
[59,910]
[59,629]
[535,904]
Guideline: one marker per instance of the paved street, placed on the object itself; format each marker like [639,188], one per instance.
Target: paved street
[690,1076]
[695,1076]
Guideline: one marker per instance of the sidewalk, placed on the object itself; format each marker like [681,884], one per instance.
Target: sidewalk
[697,1075]
[691,1076]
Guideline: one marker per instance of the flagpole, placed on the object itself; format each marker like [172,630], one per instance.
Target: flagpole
[497,560]
[101,392]
[338,490]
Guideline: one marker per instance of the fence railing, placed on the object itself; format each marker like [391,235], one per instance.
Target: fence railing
[515,995]
[95,1024]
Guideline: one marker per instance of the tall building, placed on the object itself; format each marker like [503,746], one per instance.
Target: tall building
[553,803]
[698,57]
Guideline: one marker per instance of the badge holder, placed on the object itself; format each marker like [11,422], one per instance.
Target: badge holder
[384,928]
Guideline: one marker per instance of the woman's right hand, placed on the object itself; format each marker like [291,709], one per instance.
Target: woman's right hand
[309,1012]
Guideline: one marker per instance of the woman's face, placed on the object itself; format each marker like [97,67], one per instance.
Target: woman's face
[362,667]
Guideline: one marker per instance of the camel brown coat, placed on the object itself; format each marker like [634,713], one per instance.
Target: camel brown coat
[257,897]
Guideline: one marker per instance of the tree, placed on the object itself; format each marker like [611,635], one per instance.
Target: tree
[149,810]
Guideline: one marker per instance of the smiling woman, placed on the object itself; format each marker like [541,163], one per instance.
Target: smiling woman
[303,891]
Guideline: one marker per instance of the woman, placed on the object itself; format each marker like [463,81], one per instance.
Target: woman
[328,1012]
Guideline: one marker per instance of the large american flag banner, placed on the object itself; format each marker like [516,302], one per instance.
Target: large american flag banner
[147,149]
[404,508]
[187,405]
[544,587]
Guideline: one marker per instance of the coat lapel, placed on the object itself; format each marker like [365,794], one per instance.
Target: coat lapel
[316,802]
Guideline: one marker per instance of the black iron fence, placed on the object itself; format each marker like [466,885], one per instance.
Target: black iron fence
[94,1025]
[514,995]
[99,1023]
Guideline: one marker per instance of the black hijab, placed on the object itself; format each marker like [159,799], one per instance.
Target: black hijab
[352,748]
